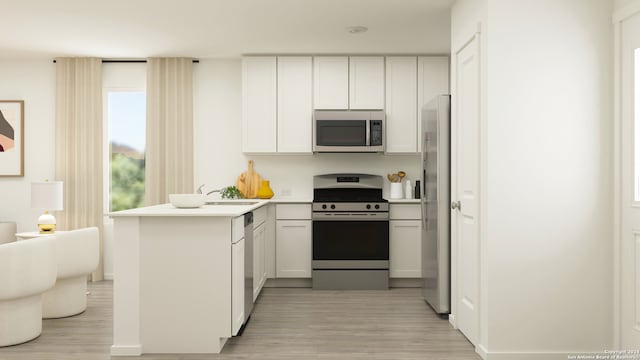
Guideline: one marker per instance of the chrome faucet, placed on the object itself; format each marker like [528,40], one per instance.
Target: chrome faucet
[199,191]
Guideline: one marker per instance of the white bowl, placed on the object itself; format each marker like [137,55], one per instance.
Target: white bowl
[187,201]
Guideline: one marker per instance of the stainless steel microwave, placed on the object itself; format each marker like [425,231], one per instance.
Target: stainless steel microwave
[348,131]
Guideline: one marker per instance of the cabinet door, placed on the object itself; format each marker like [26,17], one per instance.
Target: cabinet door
[401,104]
[294,104]
[270,242]
[433,79]
[405,249]
[259,104]
[366,82]
[258,260]
[331,82]
[293,248]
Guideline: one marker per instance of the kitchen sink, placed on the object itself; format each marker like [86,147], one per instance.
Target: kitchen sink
[231,202]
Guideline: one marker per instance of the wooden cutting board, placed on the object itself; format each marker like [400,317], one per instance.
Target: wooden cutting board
[249,182]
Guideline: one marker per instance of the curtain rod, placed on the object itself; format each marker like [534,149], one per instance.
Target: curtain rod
[130,61]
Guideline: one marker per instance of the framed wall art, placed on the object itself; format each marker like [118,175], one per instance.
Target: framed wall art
[11,138]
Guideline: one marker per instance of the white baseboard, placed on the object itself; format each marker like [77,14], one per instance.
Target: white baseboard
[108,276]
[126,350]
[452,321]
[482,351]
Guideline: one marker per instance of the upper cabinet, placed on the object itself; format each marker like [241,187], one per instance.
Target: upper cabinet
[401,104]
[276,104]
[279,94]
[294,104]
[433,79]
[366,82]
[259,104]
[343,82]
[331,82]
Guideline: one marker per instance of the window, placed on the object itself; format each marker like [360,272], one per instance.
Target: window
[126,112]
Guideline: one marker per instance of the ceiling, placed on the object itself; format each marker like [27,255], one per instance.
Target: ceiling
[219,29]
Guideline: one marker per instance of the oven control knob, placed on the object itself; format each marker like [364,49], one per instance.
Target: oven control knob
[324,206]
[333,207]
[368,206]
[377,206]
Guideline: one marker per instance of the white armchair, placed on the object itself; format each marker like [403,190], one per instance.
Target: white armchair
[77,253]
[27,269]
[8,231]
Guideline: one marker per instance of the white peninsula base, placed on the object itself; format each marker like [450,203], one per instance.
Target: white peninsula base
[172,280]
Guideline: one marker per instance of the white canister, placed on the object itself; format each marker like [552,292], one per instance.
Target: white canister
[407,190]
[395,190]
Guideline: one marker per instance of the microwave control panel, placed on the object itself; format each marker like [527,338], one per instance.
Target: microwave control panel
[376,133]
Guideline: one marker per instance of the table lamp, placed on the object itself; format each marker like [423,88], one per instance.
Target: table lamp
[47,196]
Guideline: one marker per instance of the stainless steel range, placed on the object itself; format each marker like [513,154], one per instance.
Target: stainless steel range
[350,232]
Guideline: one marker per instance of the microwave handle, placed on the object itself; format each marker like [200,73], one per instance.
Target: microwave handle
[368,131]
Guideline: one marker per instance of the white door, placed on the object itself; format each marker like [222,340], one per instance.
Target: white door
[630,246]
[465,175]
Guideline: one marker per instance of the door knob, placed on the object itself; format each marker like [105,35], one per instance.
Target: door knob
[455,205]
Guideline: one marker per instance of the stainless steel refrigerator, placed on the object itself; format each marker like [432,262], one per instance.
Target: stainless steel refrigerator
[435,200]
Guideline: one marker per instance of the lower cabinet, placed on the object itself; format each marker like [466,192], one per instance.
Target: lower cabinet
[405,243]
[259,260]
[293,248]
[293,240]
[405,256]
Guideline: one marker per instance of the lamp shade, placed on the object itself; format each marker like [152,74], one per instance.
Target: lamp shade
[46,195]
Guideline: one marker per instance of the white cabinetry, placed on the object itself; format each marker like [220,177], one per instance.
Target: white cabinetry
[331,82]
[405,247]
[259,104]
[259,250]
[401,104]
[259,268]
[294,104]
[293,240]
[280,93]
[366,82]
[433,79]
[270,242]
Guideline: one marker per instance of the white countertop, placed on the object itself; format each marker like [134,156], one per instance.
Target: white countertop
[206,210]
[404,201]
[290,200]
[225,209]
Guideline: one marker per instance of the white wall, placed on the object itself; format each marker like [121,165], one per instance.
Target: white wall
[549,190]
[218,141]
[34,82]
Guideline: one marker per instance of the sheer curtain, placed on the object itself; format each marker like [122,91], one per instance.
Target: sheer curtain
[169,152]
[78,139]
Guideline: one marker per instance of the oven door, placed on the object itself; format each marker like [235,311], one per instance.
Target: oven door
[350,244]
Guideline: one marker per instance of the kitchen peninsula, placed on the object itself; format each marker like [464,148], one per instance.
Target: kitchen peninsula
[173,278]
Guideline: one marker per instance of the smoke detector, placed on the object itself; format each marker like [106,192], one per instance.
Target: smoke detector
[357,29]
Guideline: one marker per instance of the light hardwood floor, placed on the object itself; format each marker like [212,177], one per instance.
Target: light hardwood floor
[287,323]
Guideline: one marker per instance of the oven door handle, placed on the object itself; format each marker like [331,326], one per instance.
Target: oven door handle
[381,216]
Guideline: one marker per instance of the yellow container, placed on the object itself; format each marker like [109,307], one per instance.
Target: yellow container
[265,191]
